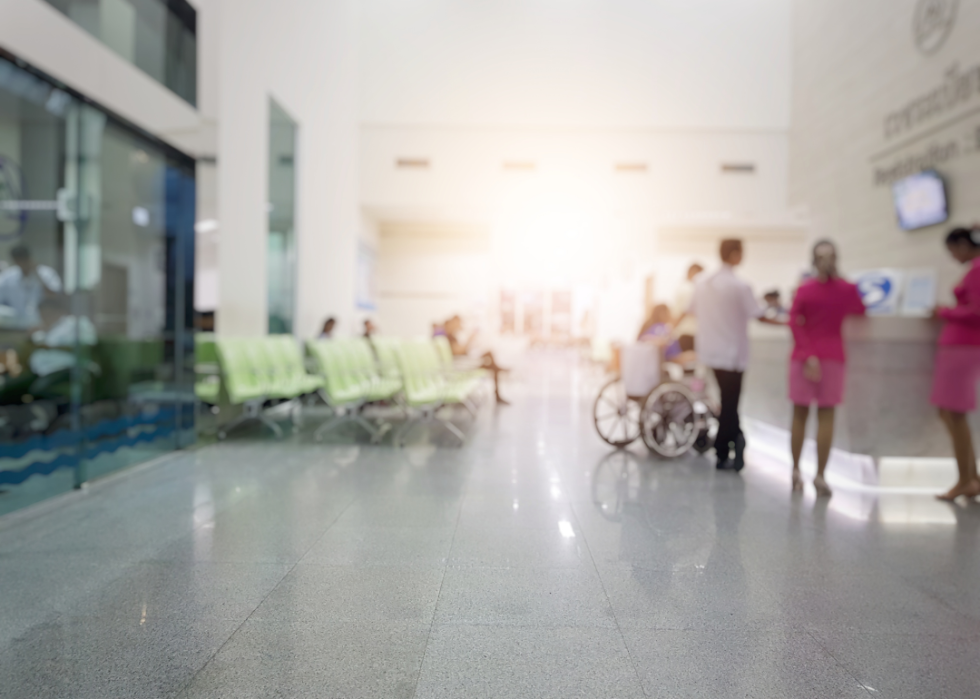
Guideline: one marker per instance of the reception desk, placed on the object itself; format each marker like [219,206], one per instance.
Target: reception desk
[886,411]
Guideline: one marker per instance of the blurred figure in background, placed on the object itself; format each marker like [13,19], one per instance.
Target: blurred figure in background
[453,329]
[816,373]
[954,387]
[687,326]
[326,333]
[370,329]
[24,285]
[775,310]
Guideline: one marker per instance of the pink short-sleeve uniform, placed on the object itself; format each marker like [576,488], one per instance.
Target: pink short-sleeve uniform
[816,318]
[954,382]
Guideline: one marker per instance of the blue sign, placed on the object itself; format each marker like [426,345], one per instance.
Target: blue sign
[879,290]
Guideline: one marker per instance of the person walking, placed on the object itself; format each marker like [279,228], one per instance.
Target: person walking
[723,305]
[954,387]
[816,368]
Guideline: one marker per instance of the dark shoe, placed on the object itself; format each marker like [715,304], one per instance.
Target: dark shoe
[726,465]
[739,462]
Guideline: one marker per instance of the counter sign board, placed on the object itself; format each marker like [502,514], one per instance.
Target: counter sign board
[880,290]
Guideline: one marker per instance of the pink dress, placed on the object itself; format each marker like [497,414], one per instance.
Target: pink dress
[954,383]
[816,318]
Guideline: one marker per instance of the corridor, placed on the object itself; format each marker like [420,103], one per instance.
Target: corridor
[533,562]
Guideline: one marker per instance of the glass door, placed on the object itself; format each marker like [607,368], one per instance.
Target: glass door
[282,215]
[96,282]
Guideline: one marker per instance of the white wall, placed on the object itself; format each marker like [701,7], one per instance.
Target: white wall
[855,64]
[605,63]
[304,55]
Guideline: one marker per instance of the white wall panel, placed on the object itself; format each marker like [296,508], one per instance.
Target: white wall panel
[608,63]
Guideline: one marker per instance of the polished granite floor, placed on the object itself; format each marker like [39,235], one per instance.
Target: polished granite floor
[533,562]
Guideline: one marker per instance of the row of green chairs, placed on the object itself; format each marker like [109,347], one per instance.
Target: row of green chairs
[349,374]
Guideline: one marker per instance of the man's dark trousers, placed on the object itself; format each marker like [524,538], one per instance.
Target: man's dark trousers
[729,427]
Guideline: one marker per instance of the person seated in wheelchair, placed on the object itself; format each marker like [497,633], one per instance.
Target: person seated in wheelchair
[659,330]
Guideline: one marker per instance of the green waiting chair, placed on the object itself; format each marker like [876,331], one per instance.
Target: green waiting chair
[468,383]
[245,382]
[362,360]
[289,375]
[426,390]
[344,388]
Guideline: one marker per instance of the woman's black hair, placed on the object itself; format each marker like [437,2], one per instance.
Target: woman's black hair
[958,236]
[817,245]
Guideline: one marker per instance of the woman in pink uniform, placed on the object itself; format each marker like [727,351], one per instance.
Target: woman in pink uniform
[954,386]
[816,373]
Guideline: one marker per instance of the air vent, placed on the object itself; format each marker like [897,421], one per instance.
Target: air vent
[738,168]
[631,167]
[412,163]
[520,165]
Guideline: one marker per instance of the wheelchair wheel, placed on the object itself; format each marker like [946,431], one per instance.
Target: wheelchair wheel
[670,423]
[616,415]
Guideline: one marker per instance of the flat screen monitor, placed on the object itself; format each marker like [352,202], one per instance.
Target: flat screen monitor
[920,200]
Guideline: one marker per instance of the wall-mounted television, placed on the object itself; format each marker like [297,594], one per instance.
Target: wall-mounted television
[920,200]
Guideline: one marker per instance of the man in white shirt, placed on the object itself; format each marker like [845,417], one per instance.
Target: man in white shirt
[723,305]
[24,285]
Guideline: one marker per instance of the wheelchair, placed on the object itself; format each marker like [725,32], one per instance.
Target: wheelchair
[664,404]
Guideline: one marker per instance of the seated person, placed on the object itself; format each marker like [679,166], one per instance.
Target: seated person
[328,327]
[657,329]
[48,357]
[453,329]
[23,286]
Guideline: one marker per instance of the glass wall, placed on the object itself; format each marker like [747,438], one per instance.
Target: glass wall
[282,208]
[96,287]
[157,36]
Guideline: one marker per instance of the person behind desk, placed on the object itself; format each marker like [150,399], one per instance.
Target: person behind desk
[774,307]
[24,285]
[723,305]
[816,373]
[326,333]
[957,370]
[687,326]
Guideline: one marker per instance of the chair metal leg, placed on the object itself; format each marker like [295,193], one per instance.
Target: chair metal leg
[402,433]
[251,411]
[367,426]
[380,432]
[271,425]
[453,429]
[339,420]
[327,426]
